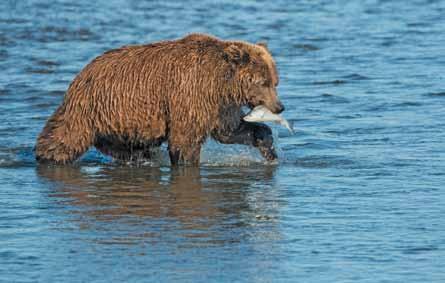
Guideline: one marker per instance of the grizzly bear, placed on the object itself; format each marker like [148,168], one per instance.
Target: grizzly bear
[130,100]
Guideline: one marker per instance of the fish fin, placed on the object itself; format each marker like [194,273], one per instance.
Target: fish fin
[291,127]
[288,125]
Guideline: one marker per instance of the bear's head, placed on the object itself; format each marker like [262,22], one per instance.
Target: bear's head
[255,74]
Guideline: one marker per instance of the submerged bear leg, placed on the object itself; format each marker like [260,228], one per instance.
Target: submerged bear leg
[255,134]
[63,140]
[184,155]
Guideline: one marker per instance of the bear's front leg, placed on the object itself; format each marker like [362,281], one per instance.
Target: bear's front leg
[264,142]
[249,133]
[184,155]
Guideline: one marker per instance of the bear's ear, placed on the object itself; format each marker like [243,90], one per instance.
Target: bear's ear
[263,44]
[235,54]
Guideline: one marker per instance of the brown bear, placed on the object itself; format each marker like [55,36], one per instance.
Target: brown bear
[130,100]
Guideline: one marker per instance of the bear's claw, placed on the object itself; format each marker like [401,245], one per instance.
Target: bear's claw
[264,142]
[268,152]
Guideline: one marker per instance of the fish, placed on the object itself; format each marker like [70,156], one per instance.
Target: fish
[262,114]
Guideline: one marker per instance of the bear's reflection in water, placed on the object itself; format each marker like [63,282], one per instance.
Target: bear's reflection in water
[214,204]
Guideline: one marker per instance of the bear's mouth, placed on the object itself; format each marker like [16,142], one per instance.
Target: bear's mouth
[254,104]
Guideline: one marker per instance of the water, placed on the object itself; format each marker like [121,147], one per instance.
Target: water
[358,194]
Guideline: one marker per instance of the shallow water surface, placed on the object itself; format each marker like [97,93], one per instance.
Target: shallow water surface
[357,196]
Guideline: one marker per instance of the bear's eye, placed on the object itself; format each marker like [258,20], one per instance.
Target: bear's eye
[264,83]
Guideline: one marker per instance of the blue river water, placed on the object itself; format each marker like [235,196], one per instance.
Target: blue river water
[358,194]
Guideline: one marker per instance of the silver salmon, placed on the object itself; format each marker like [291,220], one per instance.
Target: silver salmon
[262,114]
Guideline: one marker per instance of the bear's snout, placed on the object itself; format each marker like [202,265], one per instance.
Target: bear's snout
[280,108]
[276,107]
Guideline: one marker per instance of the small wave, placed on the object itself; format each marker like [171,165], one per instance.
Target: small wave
[306,47]
[45,63]
[14,21]
[417,32]
[4,41]
[408,103]
[32,98]
[3,54]
[45,105]
[388,43]
[42,71]
[356,77]
[317,39]
[419,250]
[12,129]
[65,33]
[58,93]
[343,80]
[334,98]
[377,107]
[322,162]
[16,157]
[418,24]
[392,106]
[4,91]
[350,116]
[357,131]
[15,161]
[333,82]
[53,33]
[436,94]
[315,145]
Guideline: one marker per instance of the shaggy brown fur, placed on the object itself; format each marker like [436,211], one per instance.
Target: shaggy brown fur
[130,100]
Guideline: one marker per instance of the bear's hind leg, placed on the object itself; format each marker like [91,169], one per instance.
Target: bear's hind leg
[63,141]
